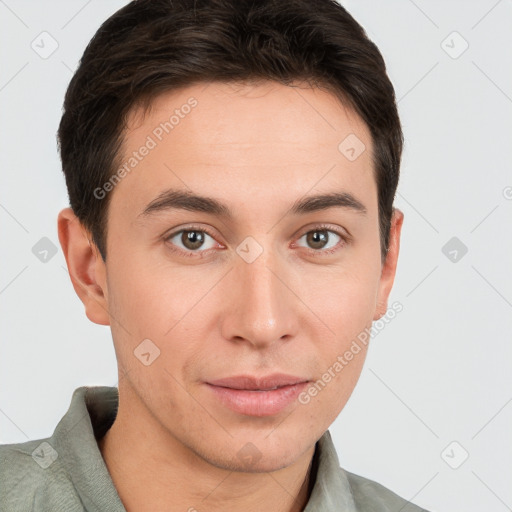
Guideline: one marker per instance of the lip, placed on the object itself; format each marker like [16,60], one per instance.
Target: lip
[250,383]
[258,396]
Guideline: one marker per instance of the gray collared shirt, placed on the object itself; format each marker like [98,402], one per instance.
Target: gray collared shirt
[66,472]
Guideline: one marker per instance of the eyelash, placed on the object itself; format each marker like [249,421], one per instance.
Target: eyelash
[201,254]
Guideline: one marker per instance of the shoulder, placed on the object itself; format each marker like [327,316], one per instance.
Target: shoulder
[32,478]
[370,495]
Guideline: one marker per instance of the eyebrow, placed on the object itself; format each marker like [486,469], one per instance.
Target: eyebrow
[172,199]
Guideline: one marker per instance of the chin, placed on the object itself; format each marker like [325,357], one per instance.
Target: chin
[261,463]
[246,454]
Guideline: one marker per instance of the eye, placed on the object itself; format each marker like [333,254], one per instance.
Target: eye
[190,241]
[323,240]
[193,241]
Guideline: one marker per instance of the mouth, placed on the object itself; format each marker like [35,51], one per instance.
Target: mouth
[257,396]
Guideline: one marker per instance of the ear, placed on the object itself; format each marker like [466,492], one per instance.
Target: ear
[389,268]
[85,266]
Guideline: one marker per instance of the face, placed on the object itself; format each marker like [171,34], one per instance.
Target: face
[213,302]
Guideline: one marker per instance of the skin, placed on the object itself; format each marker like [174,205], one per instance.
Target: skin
[257,148]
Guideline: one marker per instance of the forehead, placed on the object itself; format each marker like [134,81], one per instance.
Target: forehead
[265,138]
[230,113]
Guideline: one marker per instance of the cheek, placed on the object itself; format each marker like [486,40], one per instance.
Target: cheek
[346,306]
[152,303]
[346,301]
[341,354]
[161,303]
[152,297]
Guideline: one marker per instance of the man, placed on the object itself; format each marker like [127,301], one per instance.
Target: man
[231,169]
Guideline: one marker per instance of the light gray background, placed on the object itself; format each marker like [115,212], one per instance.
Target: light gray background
[440,372]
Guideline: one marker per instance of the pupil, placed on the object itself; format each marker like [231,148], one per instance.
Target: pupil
[192,239]
[318,238]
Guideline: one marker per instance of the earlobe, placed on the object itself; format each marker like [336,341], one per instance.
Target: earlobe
[389,267]
[85,266]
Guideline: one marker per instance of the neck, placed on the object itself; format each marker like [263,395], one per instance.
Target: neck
[152,470]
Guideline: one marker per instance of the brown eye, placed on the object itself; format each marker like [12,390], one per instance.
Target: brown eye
[317,239]
[323,240]
[189,241]
[192,239]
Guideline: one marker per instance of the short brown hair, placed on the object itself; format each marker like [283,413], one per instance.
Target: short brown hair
[152,46]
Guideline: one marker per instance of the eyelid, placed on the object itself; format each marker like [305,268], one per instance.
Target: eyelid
[341,232]
[346,238]
[191,254]
[338,230]
[191,227]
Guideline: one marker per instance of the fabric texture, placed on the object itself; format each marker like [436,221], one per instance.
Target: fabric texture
[66,472]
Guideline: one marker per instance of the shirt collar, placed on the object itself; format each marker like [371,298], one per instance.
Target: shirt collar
[91,409]
[331,491]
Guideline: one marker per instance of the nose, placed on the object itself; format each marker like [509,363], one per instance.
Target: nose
[261,309]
